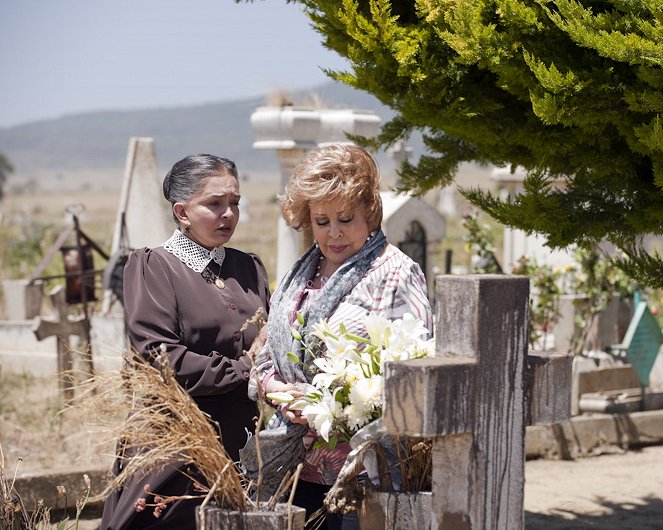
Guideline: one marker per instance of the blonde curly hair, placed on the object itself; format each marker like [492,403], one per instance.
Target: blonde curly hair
[347,173]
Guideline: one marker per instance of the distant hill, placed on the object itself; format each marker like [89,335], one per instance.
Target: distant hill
[90,144]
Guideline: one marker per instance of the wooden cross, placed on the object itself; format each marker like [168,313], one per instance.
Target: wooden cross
[475,399]
[62,326]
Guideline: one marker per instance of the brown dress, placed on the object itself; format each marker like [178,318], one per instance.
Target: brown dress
[167,302]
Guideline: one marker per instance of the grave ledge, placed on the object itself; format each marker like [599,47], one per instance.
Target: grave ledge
[583,436]
[593,435]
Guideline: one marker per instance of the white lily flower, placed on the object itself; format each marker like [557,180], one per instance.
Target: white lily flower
[340,347]
[322,330]
[367,392]
[330,369]
[405,332]
[376,326]
[322,414]
[353,367]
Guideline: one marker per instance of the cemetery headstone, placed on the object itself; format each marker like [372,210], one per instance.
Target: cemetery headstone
[63,326]
[475,398]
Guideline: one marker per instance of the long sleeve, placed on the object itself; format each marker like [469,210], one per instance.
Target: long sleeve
[200,327]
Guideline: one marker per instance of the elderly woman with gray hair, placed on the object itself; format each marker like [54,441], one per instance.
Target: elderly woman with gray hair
[349,272]
[192,297]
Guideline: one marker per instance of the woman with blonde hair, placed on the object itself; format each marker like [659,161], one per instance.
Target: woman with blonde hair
[349,272]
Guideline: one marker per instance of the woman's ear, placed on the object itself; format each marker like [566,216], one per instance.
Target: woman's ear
[180,212]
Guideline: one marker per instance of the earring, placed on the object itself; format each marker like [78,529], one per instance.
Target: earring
[316,245]
[187,229]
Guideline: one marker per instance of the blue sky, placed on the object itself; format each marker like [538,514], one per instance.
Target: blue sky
[61,57]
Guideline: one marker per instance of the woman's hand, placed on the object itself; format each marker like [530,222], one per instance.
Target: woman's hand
[295,414]
[286,395]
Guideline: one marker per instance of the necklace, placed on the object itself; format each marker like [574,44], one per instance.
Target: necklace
[317,271]
[213,277]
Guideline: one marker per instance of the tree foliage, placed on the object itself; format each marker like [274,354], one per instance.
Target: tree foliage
[566,89]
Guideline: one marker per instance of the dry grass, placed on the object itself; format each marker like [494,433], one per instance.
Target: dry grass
[38,436]
[13,512]
[163,427]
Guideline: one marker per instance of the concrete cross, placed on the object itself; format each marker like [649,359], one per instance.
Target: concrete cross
[63,326]
[475,398]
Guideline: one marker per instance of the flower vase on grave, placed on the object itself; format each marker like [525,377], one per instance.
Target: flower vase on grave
[277,517]
[387,480]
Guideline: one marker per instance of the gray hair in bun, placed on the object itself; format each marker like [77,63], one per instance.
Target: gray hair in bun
[186,177]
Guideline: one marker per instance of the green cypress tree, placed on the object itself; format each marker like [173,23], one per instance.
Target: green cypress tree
[566,89]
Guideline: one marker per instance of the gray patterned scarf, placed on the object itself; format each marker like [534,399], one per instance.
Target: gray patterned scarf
[281,444]
[341,282]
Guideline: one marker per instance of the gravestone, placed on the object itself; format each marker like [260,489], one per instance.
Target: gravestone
[144,216]
[400,153]
[22,298]
[475,399]
[517,243]
[63,326]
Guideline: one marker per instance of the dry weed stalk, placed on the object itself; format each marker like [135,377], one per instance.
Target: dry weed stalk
[415,460]
[163,427]
[13,512]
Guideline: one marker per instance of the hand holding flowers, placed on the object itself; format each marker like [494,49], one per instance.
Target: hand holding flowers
[346,391]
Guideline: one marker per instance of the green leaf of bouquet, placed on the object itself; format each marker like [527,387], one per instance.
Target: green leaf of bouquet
[295,334]
[63,524]
[375,365]
[357,338]
[293,357]
[333,440]
[300,318]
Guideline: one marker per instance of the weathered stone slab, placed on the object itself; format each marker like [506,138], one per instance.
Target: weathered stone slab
[477,381]
[395,510]
[427,397]
[594,435]
[547,373]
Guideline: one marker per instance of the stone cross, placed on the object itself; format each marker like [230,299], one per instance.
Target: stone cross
[63,326]
[475,399]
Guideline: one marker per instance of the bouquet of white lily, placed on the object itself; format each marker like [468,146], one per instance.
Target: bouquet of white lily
[346,391]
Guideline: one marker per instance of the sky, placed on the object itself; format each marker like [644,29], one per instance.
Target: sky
[61,57]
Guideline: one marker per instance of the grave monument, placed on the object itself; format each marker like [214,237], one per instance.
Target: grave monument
[475,399]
